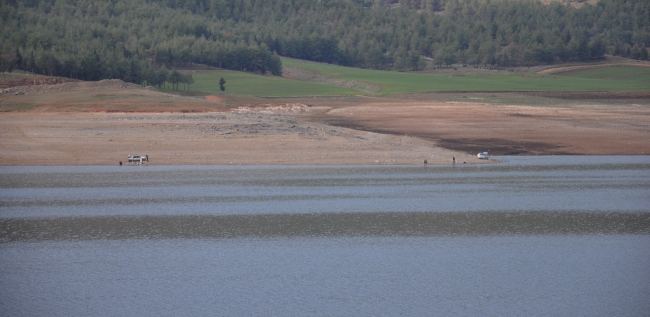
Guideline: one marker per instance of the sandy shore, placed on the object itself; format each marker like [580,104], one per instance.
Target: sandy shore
[249,137]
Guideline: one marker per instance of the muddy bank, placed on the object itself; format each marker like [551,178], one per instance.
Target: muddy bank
[469,146]
[575,129]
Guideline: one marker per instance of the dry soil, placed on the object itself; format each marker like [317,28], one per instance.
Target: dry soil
[102,123]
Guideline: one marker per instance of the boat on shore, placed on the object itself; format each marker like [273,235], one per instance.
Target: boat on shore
[483,156]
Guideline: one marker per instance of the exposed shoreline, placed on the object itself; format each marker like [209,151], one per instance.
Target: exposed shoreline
[101,123]
[213,138]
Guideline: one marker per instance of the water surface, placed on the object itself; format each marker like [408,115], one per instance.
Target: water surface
[528,236]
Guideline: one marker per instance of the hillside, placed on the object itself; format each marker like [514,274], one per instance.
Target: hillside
[138,41]
[320,82]
[101,121]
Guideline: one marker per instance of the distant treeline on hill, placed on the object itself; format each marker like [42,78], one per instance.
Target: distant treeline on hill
[134,39]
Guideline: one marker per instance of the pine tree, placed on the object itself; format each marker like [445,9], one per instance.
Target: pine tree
[31,62]
[19,59]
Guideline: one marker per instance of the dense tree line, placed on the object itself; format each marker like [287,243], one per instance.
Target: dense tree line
[125,39]
[132,39]
[398,33]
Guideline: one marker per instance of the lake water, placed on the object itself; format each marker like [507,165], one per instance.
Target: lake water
[533,236]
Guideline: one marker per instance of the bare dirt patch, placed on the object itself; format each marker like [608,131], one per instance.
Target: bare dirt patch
[241,137]
[607,129]
[34,81]
[101,123]
[215,99]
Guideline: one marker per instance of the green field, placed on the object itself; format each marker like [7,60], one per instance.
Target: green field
[609,79]
[616,72]
[240,83]
[625,79]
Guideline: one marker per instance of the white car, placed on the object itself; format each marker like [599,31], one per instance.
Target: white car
[133,158]
[483,156]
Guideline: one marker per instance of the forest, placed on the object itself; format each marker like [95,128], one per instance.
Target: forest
[144,41]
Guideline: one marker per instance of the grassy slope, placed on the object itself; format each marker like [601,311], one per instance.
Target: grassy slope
[240,83]
[619,78]
[625,79]
[617,72]
[597,78]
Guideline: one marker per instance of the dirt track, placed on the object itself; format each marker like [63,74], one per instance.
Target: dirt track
[71,124]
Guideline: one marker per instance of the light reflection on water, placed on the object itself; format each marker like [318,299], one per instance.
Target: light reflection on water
[529,236]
